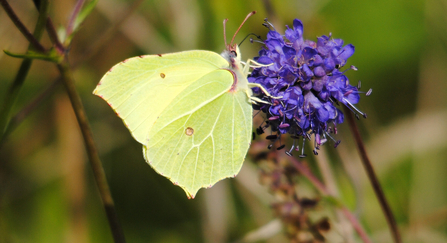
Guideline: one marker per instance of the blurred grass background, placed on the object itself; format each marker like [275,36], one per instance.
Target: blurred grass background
[47,192]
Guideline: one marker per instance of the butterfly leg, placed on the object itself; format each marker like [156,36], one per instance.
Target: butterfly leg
[255,100]
[263,90]
[253,64]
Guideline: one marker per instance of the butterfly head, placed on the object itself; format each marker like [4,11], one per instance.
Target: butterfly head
[232,52]
[233,56]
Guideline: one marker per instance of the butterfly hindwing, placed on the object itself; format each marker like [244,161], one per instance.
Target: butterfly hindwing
[204,136]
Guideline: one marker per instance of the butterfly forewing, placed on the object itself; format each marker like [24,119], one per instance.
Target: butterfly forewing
[141,88]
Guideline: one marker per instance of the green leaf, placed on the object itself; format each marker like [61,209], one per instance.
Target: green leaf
[51,56]
[85,11]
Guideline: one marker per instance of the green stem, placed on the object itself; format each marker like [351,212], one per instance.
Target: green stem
[12,94]
[372,177]
[53,36]
[78,108]
[94,48]
[18,118]
[93,156]
[14,90]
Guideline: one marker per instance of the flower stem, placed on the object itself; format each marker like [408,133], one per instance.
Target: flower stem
[355,223]
[323,190]
[326,172]
[14,89]
[33,39]
[373,178]
[93,156]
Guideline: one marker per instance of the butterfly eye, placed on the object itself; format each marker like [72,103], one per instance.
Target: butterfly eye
[234,53]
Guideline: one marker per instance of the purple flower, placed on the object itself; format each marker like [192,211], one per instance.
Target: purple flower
[307,77]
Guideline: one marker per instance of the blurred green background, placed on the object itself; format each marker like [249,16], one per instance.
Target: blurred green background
[47,192]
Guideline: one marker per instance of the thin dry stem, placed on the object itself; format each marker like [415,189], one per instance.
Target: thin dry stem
[20,26]
[92,152]
[372,177]
[16,86]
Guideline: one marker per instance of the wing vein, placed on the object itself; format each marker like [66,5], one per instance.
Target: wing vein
[195,166]
[173,100]
[195,109]
[162,144]
[212,137]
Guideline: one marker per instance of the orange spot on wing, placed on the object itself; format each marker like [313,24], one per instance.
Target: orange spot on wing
[189,131]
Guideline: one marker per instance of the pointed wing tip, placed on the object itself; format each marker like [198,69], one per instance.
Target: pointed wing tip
[192,192]
[190,195]
[96,90]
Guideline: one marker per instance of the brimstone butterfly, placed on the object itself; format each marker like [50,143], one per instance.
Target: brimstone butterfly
[191,110]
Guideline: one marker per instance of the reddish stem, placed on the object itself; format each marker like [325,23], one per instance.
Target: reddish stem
[372,177]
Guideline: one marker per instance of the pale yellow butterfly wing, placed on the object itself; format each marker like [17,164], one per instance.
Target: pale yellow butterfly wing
[140,88]
[195,126]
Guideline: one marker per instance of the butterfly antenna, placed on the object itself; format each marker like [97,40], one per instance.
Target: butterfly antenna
[248,16]
[225,35]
